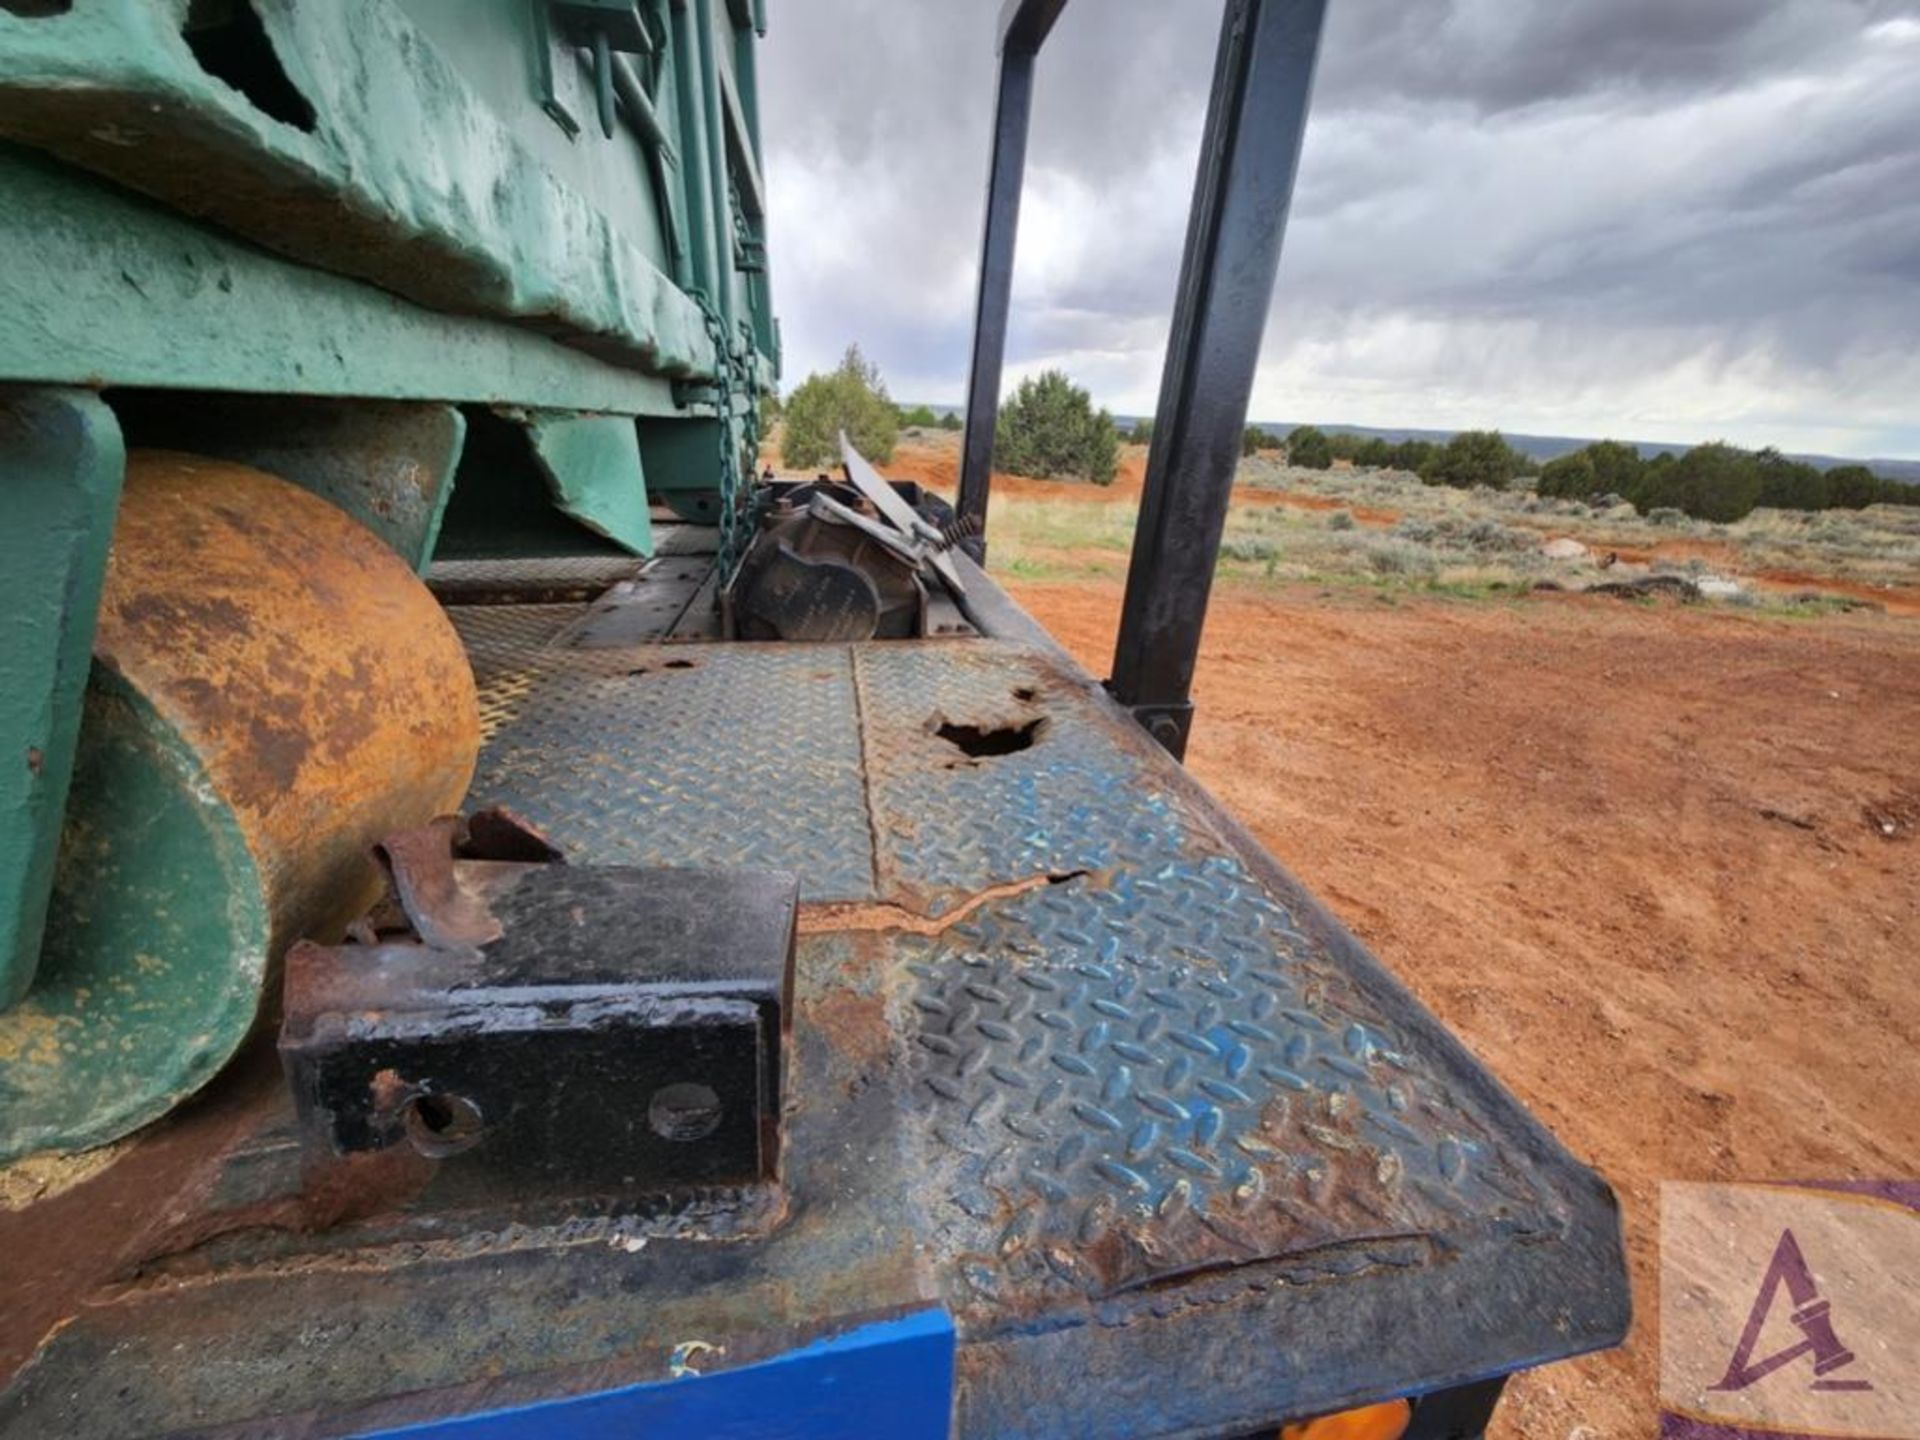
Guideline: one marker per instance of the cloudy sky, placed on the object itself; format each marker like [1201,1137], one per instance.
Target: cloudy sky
[1663,219]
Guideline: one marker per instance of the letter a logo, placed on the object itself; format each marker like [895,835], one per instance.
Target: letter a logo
[1810,1316]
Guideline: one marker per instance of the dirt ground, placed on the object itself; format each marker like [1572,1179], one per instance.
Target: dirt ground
[1657,866]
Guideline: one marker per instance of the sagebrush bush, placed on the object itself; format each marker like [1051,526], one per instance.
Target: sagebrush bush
[1248,548]
[1397,557]
[1413,528]
[1492,535]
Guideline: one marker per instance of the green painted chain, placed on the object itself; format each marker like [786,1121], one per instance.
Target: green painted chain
[733,375]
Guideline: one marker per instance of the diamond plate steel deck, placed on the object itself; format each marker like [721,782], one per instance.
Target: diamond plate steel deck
[647,756]
[1078,1063]
[503,645]
[1155,1071]
[950,825]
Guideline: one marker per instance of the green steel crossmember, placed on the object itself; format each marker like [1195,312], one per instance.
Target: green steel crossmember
[388,463]
[101,288]
[403,175]
[61,463]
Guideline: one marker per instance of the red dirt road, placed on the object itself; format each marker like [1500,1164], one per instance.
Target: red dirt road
[1637,858]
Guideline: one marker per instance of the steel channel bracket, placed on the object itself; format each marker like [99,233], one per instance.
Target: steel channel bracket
[543,1030]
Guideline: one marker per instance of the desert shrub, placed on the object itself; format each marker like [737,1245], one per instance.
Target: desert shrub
[1474,458]
[921,417]
[1413,455]
[1050,428]
[1850,487]
[949,421]
[1795,485]
[1248,548]
[1717,481]
[1256,438]
[1397,557]
[850,397]
[1666,515]
[1492,535]
[769,411]
[1309,449]
[1420,532]
[1340,520]
[1141,434]
[1570,474]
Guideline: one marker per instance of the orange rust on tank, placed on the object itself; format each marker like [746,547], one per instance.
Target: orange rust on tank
[321,685]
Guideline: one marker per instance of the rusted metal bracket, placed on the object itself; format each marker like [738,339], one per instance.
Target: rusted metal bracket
[544,1030]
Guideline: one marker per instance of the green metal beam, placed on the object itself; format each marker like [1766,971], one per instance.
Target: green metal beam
[61,463]
[740,146]
[387,463]
[401,175]
[713,132]
[703,213]
[101,288]
[592,466]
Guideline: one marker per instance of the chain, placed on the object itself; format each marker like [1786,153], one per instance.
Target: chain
[733,375]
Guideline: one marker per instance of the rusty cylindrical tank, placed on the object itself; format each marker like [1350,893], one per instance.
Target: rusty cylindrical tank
[273,690]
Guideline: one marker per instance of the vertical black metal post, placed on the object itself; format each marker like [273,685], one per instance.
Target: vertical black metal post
[1248,157]
[1023,28]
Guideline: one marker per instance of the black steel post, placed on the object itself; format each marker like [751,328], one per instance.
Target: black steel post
[1248,158]
[1024,25]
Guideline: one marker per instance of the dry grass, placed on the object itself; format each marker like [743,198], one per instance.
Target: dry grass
[1388,531]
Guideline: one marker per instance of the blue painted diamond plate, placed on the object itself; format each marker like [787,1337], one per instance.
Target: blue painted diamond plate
[1154,1070]
[679,756]
[949,825]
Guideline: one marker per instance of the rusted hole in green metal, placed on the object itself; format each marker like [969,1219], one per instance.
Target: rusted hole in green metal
[979,742]
[231,44]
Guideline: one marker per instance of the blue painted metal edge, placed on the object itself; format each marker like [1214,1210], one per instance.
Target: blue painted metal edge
[892,1377]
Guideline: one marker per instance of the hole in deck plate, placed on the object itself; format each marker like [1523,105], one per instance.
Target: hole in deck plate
[439,1125]
[682,664]
[36,9]
[1025,694]
[979,742]
[684,1112]
[231,44]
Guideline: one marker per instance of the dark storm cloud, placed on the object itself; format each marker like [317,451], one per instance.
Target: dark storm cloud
[1496,55]
[1617,213]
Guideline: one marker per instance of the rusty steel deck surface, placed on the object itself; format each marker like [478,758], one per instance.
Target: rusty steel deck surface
[1073,1059]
